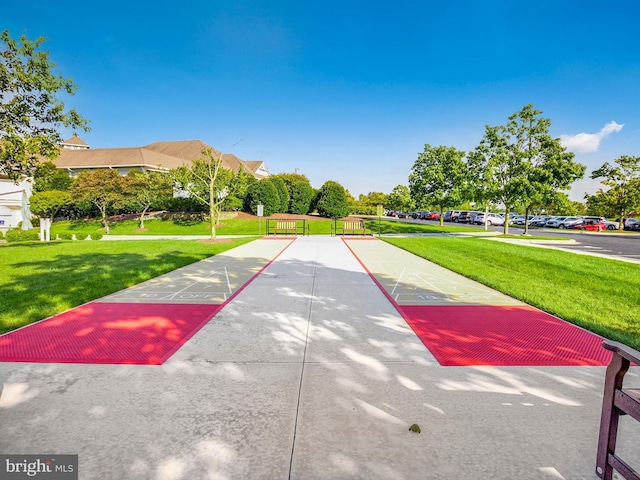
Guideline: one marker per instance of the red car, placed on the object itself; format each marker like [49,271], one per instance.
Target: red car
[432,216]
[594,225]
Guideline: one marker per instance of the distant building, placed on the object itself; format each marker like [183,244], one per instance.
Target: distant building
[76,156]
[12,201]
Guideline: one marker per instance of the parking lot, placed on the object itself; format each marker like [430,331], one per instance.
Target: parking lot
[614,244]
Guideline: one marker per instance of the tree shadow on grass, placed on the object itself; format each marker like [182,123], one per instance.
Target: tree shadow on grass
[66,281]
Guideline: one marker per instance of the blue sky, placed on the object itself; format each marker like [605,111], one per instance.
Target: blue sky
[347,91]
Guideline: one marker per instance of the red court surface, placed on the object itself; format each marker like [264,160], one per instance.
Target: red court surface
[111,333]
[502,336]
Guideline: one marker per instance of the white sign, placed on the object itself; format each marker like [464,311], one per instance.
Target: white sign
[261,210]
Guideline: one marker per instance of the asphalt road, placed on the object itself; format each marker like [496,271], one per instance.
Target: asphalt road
[624,245]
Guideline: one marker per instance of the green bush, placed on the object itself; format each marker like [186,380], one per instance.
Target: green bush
[302,195]
[332,201]
[1,235]
[96,236]
[180,204]
[22,236]
[65,236]
[185,219]
[264,193]
[283,194]
[81,236]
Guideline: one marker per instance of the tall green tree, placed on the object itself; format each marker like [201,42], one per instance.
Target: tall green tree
[30,111]
[549,167]
[331,201]
[144,190]
[207,181]
[48,177]
[101,188]
[47,204]
[438,177]
[520,163]
[623,180]
[400,199]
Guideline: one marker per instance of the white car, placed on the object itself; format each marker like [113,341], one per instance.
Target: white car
[570,222]
[492,219]
[554,222]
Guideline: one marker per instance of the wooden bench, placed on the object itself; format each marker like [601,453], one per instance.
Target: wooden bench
[350,227]
[616,401]
[286,227]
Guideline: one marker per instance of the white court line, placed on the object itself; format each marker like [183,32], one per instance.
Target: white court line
[173,295]
[397,282]
[226,273]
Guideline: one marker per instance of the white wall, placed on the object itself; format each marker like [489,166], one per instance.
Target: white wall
[11,202]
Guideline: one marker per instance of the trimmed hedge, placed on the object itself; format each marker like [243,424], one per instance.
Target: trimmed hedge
[96,236]
[22,236]
[65,236]
[82,236]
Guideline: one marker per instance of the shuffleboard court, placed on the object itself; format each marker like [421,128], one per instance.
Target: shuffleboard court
[411,280]
[464,323]
[144,324]
[210,281]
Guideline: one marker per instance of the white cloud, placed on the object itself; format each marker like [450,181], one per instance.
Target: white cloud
[589,142]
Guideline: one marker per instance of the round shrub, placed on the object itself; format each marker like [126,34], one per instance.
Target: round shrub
[81,236]
[332,201]
[65,236]
[264,192]
[22,236]
[96,236]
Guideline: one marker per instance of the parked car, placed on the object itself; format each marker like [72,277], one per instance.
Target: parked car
[521,220]
[513,219]
[539,221]
[632,224]
[432,216]
[451,215]
[402,215]
[554,222]
[466,216]
[569,222]
[611,225]
[592,224]
[491,218]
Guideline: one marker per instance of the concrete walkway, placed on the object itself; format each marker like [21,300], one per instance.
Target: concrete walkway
[308,373]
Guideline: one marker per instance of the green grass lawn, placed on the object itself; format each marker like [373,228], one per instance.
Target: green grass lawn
[598,294]
[394,226]
[237,226]
[41,279]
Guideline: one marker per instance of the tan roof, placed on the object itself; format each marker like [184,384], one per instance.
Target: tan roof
[158,155]
[185,149]
[116,157]
[75,140]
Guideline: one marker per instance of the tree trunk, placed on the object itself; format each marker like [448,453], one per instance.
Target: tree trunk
[526,221]
[212,213]
[441,216]
[505,227]
[142,217]
[103,212]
